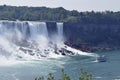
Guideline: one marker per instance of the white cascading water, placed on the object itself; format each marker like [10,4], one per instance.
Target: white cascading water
[38,28]
[22,40]
[60,31]
[25,40]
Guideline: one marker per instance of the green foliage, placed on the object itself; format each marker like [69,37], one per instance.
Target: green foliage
[40,78]
[71,19]
[50,77]
[84,76]
[58,14]
[64,76]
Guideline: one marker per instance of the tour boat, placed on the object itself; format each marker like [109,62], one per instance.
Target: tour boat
[101,58]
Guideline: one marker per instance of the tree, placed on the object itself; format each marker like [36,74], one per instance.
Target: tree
[84,76]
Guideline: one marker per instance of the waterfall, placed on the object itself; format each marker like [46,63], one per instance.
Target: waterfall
[60,31]
[25,29]
[23,38]
[14,29]
[39,28]
[30,40]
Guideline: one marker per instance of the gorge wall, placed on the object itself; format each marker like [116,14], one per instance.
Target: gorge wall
[92,37]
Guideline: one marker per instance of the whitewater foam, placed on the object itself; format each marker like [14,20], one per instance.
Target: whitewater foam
[25,40]
[78,52]
[9,61]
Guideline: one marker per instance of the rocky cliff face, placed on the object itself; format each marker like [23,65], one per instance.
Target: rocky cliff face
[92,37]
